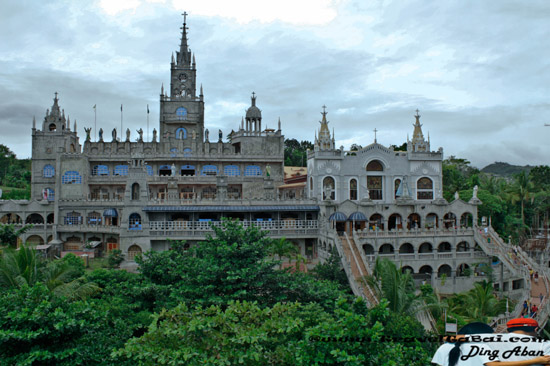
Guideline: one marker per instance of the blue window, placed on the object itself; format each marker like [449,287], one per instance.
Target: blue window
[73,218]
[181,133]
[134,222]
[209,170]
[252,171]
[100,170]
[121,170]
[187,170]
[187,152]
[181,113]
[49,194]
[49,171]
[173,152]
[149,170]
[231,171]
[71,177]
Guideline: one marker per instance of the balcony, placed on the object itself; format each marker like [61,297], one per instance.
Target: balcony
[285,228]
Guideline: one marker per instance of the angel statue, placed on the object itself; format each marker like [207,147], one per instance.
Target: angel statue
[140,133]
[88,130]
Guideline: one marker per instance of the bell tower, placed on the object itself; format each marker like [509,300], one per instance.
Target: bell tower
[182,111]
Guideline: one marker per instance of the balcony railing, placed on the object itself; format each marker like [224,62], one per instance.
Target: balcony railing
[200,228]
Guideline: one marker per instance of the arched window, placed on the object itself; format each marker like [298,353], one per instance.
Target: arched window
[135,191]
[149,170]
[48,194]
[100,170]
[181,133]
[134,221]
[52,127]
[181,113]
[34,218]
[424,189]
[209,170]
[94,218]
[173,152]
[231,171]
[375,166]
[187,152]
[49,171]
[329,191]
[71,177]
[121,170]
[187,170]
[252,171]
[353,189]
[374,185]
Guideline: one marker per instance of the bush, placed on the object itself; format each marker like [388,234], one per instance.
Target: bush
[115,258]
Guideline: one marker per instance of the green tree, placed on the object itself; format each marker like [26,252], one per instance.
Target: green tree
[521,190]
[283,248]
[115,258]
[478,304]
[9,234]
[295,153]
[332,270]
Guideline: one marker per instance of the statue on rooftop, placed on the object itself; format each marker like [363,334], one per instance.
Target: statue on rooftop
[154,135]
[127,135]
[101,134]
[220,134]
[206,133]
[475,191]
[140,133]
[114,134]
[88,130]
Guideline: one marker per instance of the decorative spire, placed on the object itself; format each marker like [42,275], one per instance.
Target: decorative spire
[279,124]
[253,98]
[162,89]
[201,91]
[418,142]
[184,55]
[34,122]
[173,60]
[74,129]
[242,123]
[325,141]
[68,123]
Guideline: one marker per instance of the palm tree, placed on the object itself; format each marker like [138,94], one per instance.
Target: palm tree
[479,304]
[521,190]
[397,287]
[283,248]
[23,267]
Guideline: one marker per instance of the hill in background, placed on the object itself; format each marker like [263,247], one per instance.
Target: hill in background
[504,169]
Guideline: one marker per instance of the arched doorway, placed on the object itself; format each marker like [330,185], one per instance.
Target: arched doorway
[35,219]
[463,270]
[406,269]
[449,220]
[50,218]
[445,269]
[395,222]
[463,246]
[413,221]
[35,240]
[368,249]
[11,218]
[329,189]
[466,220]
[376,222]
[444,247]
[133,251]
[432,221]
[425,270]
[425,248]
[386,249]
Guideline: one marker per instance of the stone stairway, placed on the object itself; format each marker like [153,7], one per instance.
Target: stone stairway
[357,268]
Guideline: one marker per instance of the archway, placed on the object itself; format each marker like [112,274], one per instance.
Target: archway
[407,269]
[413,221]
[425,248]
[376,221]
[134,221]
[11,218]
[445,269]
[463,246]
[368,249]
[395,222]
[50,218]
[386,249]
[425,270]
[35,240]
[432,221]
[463,270]
[444,247]
[34,219]
[406,248]
[449,220]
[466,220]
[329,189]
[135,191]
[133,251]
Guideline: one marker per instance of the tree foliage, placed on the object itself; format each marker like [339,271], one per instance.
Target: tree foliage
[296,152]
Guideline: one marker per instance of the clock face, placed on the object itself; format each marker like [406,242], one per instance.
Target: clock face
[183,77]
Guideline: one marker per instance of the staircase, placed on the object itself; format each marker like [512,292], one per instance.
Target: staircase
[518,263]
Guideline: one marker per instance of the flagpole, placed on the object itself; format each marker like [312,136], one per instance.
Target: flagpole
[121,120]
[95,122]
[147,122]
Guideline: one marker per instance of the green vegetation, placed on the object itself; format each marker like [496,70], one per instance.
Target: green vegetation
[296,152]
[222,301]
[15,175]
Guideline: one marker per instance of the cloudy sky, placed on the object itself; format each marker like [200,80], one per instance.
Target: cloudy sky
[478,71]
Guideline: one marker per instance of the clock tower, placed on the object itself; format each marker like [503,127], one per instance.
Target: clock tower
[182,111]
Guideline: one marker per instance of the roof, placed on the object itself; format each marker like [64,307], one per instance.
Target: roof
[337,216]
[291,171]
[232,208]
[94,244]
[42,247]
[357,216]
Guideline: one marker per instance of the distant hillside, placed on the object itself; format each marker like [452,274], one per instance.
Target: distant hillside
[505,169]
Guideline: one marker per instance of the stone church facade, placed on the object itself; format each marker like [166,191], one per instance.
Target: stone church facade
[114,193]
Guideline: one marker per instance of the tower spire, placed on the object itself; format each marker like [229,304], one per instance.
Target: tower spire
[184,54]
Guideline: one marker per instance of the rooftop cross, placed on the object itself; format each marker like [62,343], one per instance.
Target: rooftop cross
[417,115]
[324,107]
[253,95]
[55,95]
[184,16]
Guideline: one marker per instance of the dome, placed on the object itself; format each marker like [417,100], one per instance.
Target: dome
[254,112]
[337,216]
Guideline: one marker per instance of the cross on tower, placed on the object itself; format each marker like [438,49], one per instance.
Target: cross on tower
[253,95]
[417,115]
[324,107]
[184,16]
[55,95]
[375,130]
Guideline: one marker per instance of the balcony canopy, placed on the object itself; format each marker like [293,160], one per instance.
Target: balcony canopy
[110,212]
[232,208]
[337,216]
[357,216]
